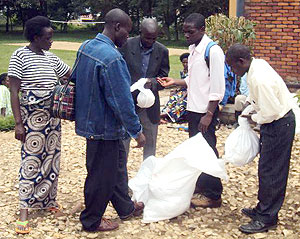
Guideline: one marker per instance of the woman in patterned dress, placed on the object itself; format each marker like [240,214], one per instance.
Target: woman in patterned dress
[34,72]
[175,109]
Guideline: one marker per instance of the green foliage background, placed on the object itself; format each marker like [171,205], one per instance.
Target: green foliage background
[229,30]
[7,123]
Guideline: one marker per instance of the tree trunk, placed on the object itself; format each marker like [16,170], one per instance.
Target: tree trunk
[43,6]
[7,18]
[176,28]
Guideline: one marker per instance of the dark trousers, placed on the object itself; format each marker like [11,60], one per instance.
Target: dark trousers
[150,131]
[208,185]
[276,140]
[106,181]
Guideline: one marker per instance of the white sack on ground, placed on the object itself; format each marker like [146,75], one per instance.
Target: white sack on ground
[242,145]
[166,185]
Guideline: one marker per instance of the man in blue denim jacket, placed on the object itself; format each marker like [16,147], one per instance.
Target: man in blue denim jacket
[104,111]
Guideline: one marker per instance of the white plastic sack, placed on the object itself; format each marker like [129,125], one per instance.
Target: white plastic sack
[242,145]
[166,185]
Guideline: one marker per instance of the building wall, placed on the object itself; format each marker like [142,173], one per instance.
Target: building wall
[277,34]
[232,8]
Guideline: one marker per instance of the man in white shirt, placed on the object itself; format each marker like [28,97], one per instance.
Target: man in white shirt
[269,96]
[205,89]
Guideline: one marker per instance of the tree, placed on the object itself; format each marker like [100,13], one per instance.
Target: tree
[65,10]
[7,6]
[173,12]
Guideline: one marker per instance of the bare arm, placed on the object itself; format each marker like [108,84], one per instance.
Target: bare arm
[167,81]
[65,78]
[207,118]
[15,104]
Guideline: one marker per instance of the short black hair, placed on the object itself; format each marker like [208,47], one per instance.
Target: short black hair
[116,15]
[183,56]
[2,78]
[237,51]
[197,19]
[34,27]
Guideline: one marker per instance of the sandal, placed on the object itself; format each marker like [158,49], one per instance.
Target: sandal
[24,225]
[55,209]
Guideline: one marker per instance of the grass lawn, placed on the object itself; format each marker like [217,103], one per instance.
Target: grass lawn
[69,56]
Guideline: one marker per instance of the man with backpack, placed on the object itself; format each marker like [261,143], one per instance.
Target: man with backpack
[206,87]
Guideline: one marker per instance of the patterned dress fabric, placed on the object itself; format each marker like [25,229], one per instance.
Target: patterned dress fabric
[175,108]
[40,154]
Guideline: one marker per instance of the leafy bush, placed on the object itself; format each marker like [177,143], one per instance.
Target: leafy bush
[298,96]
[227,31]
[7,123]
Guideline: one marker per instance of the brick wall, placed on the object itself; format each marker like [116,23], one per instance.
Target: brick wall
[277,34]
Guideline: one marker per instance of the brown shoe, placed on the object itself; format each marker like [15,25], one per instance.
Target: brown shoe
[206,202]
[107,225]
[137,211]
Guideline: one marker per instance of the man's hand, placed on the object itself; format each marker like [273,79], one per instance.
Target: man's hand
[20,132]
[148,84]
[165,81]
[204,123]
[141,141]
[249,118]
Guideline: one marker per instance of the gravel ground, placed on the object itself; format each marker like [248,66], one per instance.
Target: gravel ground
[240,191]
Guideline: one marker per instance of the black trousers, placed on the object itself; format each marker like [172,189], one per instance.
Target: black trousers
[106,180]
[276,141]
[208,185]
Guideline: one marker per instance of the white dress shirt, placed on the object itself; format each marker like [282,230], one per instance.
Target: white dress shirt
[268,93]
[203,84]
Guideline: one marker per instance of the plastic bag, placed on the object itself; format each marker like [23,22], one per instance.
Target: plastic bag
[242,145]
[166,185]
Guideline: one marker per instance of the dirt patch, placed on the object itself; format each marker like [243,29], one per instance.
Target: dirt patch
[73,46]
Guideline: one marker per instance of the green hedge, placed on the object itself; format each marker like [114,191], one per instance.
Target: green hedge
[298,96]
[229,30]
[7,123]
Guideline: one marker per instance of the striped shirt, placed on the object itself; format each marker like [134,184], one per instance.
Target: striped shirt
[36,71]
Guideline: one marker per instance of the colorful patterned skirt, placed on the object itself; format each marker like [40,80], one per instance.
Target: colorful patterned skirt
[175,108]
[40,154]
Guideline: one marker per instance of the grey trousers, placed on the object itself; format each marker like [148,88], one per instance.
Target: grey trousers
[150,131]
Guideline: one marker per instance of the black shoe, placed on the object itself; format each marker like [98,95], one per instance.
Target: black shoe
[256,226]
[249,212]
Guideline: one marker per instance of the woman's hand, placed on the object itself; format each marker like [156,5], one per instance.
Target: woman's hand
[20,132]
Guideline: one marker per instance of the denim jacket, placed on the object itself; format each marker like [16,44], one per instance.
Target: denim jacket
[104,105]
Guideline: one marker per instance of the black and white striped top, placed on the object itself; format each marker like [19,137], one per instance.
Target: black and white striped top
[36,71]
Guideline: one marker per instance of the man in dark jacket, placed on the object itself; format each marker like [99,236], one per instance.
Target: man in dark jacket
[147,58]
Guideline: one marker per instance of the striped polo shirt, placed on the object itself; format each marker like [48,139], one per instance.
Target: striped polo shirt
[36,71]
